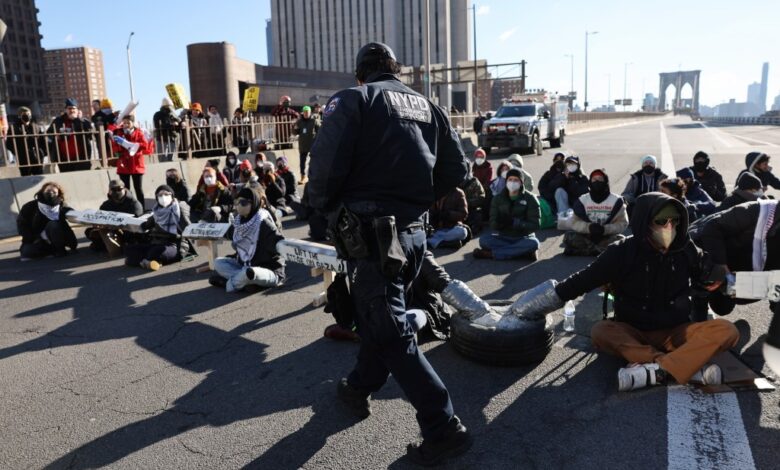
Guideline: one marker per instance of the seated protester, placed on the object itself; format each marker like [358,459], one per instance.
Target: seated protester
[475,200]
[120,199]
[291,188]
[482,168]
[517,161]
[757,163]
[748,189]
[275,189]
[447,218]
[163,243]
[730,238]
[514,216]
[643,181]
[212,201]
[711,181]
[254,237]
[599,219]
[696,196]
[675,187]
[552,179]
[574,185]
[231,170]
[650,274]
[499,182]
[260,159]
[180,190]
[214,163]
[42,224]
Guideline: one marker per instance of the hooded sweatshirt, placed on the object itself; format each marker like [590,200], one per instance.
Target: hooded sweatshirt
[651,288]
[767,177]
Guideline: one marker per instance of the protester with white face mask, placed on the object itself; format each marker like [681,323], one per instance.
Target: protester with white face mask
[482,168]
[254,236]
[514,217]
[211,202]
[651,275]
[573,185]
[162,242]
[499,182]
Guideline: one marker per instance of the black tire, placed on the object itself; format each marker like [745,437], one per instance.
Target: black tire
[487,149]
[527,345]
[538,146]
[556,143]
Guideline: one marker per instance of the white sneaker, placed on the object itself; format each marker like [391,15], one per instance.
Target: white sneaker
[708,375]
[636,376]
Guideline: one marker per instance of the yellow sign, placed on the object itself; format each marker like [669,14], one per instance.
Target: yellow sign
[251,99]
[177,95]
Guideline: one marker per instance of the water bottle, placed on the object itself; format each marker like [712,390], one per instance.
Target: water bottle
[568,317]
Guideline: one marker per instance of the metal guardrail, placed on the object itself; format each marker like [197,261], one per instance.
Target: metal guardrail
[772,121]
[32,151]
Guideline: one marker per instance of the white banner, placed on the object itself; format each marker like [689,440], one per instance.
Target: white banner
[206,231]
[311,254]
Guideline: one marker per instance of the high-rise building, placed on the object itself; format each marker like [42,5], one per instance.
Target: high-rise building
[326,34]
[776,105]
[505,89]
[762,92]
[754,93]
[76,72]
[23,55]
[269,42]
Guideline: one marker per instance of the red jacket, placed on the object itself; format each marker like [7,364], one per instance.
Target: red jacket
[484,173]
[127,165]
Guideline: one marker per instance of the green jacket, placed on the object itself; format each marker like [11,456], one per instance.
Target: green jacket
[518,218]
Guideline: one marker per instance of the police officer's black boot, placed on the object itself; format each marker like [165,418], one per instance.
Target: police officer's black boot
[454,441]
[356,400]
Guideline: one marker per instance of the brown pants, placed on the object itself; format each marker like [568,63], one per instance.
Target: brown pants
[681,350]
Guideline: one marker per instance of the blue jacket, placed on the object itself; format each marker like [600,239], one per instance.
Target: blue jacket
[384,149]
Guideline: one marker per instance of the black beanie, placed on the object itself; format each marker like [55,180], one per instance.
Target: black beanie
[514,172]
[701,155]
[163,187]
[748,181]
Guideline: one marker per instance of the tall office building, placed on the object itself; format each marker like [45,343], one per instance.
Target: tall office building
[76,72]
[762,92]
[23,55]
[326,34]
[754,93]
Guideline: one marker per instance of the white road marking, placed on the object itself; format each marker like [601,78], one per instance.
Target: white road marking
[742,139]
[718,136]
[703,430]
[706,431]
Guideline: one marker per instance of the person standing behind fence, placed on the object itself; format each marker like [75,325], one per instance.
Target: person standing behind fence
[306,128]
[26,142]
[105,116]
[286,117]
[166,129]
[71,139]
[216,134]
[131,158]
[240,131]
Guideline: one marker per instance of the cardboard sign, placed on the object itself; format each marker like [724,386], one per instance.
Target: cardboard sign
[98,217]
[177,95]
[758,285]
[206,231]
[311,254]
[251,99]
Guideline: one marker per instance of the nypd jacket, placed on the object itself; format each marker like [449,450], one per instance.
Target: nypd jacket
[384,149]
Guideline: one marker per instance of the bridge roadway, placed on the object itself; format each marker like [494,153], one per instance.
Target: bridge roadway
[103,365]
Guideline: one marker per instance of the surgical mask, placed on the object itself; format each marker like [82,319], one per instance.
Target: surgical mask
[106,111]
[504,173]
[648,170]
[231,162]
[164,200]
[700,166]
[572,168]
[127,130]
[210,180]
[759,193]
[513,186]
[479,161]
[664,236]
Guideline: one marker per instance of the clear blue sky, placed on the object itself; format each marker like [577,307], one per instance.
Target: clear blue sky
[728,41]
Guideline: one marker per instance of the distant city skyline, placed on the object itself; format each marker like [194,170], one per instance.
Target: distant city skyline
[650,38]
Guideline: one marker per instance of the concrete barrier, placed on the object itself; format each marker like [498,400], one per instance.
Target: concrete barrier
[9,209]
[83,189]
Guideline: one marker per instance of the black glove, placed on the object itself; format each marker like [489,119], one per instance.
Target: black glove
[596,232]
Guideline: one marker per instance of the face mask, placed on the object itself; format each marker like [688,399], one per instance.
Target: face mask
[572,168]
[648,170]
[210,180]
[479,161]
[128,131]
[664,236]
[759,193]
[164,200]
[170,181]
[231,163]
[598,187]
[558,165]
[700,166]
[26,118]
[106,111]
[51,198]
[513,186]
[503,173]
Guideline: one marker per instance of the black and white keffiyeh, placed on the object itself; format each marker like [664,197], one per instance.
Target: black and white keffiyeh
[168,217]
[245,235]
[51,212]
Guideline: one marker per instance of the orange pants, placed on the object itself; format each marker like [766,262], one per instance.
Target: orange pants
[681,350]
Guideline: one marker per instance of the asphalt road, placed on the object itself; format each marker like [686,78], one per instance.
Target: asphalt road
[103,365]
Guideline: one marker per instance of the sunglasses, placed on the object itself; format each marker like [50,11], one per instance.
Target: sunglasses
[244,202]
[663,221]
[117,190]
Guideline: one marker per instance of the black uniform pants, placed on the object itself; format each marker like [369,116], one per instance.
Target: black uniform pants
[138,180]
[387,341]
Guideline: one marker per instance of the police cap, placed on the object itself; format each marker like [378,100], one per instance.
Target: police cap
[373,49]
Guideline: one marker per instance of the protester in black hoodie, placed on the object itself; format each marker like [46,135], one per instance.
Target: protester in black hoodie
[254,236]
[43,226]
[231,170]
[174,180]
[757,163]
[650,275]
[645,180]
[711,181]
[121,200]
[748,189]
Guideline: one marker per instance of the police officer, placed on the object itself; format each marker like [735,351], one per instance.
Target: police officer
[384,150]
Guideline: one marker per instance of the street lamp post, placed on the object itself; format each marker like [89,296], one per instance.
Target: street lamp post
[571,90]
[587,33]
[474,27]
[625,82]
[129,68]
[609,90]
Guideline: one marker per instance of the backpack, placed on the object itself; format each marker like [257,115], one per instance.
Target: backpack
[548,219]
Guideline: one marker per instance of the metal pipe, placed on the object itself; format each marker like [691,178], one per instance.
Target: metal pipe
[587,33]
[129,68]
[474,27]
